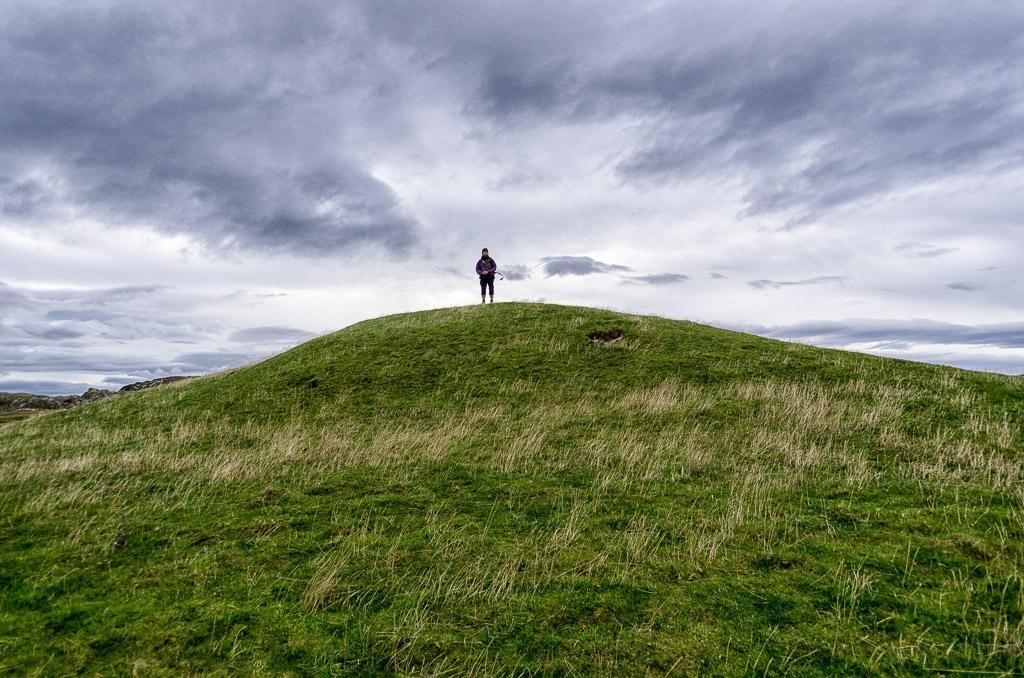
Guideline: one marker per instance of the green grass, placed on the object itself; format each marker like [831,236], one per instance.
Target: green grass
[17,415]
[483,490]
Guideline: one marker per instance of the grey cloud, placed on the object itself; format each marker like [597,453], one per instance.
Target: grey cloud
[507,89]
[515,272]
[21,198]
[518,179]
[115,383]
[59,314]
[776,284]
[116,366]
[58,359]
[201,362]
[43,386]
[81,332]
[843,333]
[82,314]
[964,286]
[269,334]
[55,333]
[874,122]
[890,346]
[995,363]
[112,295]
[11,297]
[453,271]
[809,110]
[718,276]
[214,122]
[918,340]
[569,265]
[656,279]
[241,294]
[230,123]
[924,250]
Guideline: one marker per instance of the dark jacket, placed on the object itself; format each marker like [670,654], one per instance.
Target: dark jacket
[486,265]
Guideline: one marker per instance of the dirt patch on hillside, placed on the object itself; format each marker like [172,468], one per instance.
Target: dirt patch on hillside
[605,336]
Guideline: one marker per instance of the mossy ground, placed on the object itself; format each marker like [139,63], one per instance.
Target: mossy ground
[483,490]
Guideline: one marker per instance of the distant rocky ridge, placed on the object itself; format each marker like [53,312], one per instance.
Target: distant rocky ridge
[139,385]
[14,402]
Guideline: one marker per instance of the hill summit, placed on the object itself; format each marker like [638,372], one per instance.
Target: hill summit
[523,488]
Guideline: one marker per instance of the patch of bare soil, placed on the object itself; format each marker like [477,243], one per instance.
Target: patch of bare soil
[605,336]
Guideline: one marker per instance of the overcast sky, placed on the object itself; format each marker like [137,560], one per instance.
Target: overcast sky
[190,186]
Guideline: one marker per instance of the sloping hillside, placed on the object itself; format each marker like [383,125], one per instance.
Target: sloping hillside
[485,490]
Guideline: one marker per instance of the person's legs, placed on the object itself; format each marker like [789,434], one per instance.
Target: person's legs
[483,289]
[490,285]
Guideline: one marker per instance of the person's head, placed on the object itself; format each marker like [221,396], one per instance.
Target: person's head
[483,252]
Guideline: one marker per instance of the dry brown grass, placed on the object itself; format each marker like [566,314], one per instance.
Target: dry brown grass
[786,432]
[655,400]
[952,460]
[794,434]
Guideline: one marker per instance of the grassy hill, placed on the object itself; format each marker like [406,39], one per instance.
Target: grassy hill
[483,490]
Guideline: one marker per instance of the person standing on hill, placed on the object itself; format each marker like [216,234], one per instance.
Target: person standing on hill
[485,268]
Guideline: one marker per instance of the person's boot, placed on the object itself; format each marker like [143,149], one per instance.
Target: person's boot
[483,299]
[492,300]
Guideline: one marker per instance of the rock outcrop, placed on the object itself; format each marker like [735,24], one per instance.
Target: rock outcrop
[15,402]
[12,402]
[139,385]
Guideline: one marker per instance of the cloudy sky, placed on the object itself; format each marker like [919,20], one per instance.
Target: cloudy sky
[190,186]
